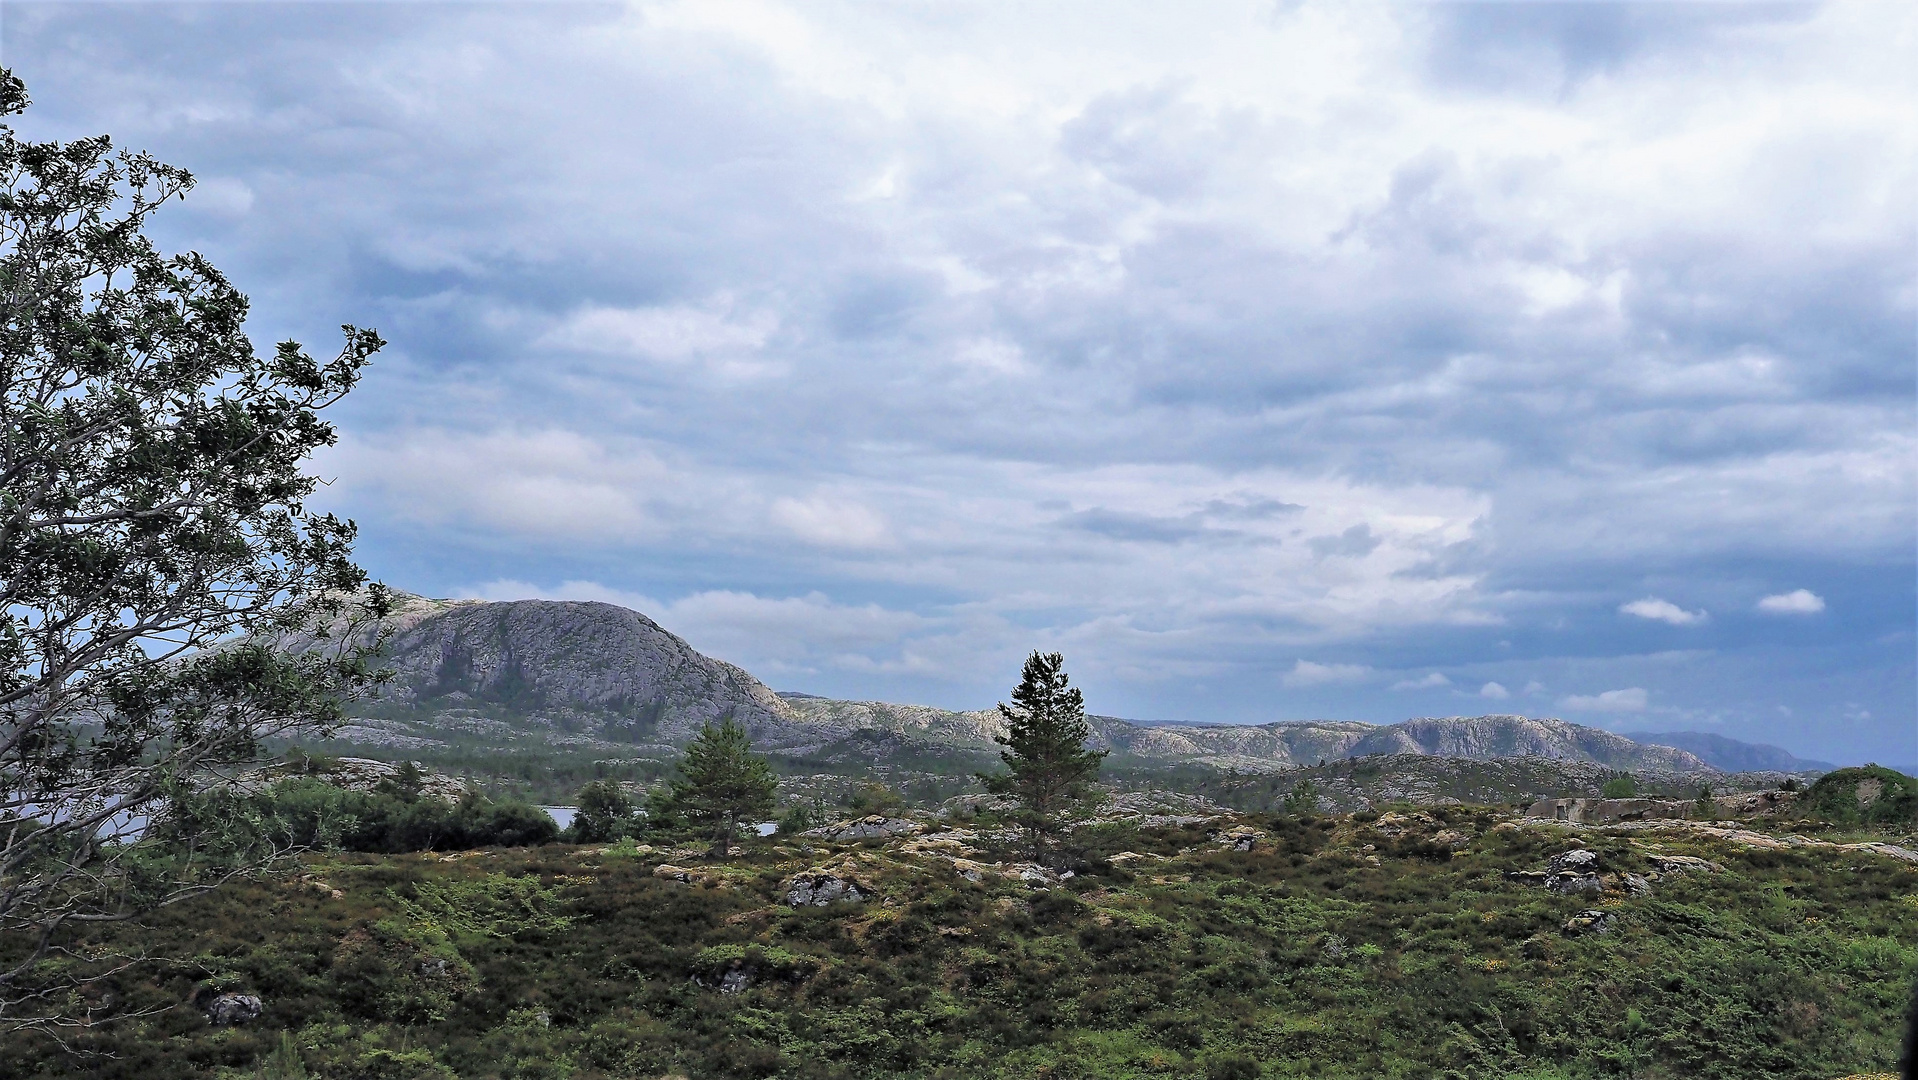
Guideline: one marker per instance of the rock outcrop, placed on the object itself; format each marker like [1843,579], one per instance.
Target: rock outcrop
[233,1009]
[1591,921]
[818,888]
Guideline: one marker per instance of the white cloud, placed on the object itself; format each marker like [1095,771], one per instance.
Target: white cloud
[714,336]
[1494,691]
[1630,700]
[980,316]
[1796,602]
[1308,673]
[1432,681]
[830,521]
[221,196]
[1662,611]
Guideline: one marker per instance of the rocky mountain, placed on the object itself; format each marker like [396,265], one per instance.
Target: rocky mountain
[1731,755]
[572,671]
[602,679]
[1482,738]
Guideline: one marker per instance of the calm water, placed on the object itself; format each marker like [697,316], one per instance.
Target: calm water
[564,815]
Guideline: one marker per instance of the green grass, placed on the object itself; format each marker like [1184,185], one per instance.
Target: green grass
[1299,958]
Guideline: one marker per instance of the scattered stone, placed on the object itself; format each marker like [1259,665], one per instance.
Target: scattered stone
[1396,824]
[1591,921]
[1574,884]
[638,849]
[1242,838]
[1036,876]
[685,874]
[1682,864]
[1892,851]
[234,1009]
[1636,885]
[1577,860]
[969,805]
[818,888]
[735,980]
[1451,838]
[1153,809]
[1573,872]
[874,827]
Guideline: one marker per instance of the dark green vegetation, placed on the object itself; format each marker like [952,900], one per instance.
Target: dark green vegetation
[1299,957]
[1868,795]
[308,812]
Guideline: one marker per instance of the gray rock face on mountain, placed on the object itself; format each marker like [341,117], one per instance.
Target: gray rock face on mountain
[1486,737]
[591,668]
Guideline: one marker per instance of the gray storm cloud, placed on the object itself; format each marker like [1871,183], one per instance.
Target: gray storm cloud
[1405,339]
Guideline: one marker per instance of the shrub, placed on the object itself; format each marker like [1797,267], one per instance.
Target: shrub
[1846,797]
[1620,787]
[605,813]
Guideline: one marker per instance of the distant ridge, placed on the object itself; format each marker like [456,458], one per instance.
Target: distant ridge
[1732,755]
[604,679]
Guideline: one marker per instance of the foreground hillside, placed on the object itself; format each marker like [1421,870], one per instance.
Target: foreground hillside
[1450,942]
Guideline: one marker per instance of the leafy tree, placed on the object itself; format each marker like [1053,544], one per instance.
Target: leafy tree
[154,539]
[722,782]
[605,813]
[1302,799]
[1049,769]
[874,797]
[1620,787]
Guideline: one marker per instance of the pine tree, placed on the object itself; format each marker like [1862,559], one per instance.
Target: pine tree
[1049,768]
[723,782]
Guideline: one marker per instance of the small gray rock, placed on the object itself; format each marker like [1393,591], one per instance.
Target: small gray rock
[234,1008]
[818,890]
[1591,921]
[1577,861]
[1571,884]
[735,980]
[1636,886]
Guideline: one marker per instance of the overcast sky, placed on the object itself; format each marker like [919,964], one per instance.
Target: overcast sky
[1271,361]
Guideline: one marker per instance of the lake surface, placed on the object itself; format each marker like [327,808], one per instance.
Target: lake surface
[564,816]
